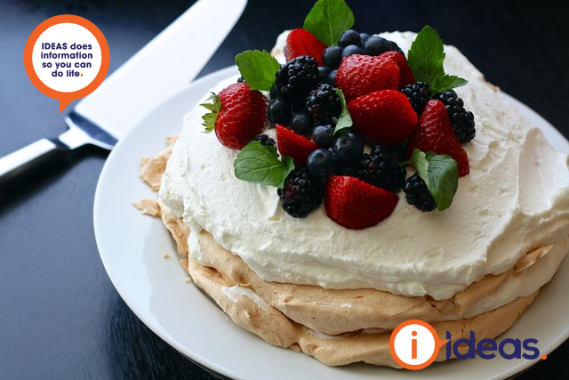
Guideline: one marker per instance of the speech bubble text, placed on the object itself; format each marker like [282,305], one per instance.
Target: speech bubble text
[66,58]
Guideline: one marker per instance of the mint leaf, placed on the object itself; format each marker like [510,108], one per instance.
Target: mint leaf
[419,160]
[258,68]
[443,179]
[345,120]
[214,107]
[259,163]
[426,58]
[328,19]
[440,173]
[447,82]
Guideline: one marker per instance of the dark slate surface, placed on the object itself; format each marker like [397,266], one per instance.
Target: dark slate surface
[60,315]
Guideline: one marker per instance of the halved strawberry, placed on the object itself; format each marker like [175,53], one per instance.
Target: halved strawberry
[384,117]
[295,146]
[363,74]
[434,133]
[302,42]
[237,115]
[356,204]
[405,74]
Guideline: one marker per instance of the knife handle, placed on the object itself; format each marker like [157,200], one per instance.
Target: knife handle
[29,158]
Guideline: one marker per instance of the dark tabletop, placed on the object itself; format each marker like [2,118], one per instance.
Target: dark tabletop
[60,317]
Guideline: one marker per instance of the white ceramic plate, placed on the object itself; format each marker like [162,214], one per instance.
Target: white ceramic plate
[132,246]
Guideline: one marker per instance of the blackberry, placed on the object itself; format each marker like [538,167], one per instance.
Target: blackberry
[418,195]
[324,104]
[381,168]
[265,140]
[301,193]
[297,77]
[419,94]
[462,121]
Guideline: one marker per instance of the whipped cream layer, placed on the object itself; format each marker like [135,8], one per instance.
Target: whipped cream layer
[516,198]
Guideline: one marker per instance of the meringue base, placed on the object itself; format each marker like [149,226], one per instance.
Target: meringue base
[337,327]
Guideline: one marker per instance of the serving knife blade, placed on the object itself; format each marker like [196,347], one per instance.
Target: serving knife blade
[160,69]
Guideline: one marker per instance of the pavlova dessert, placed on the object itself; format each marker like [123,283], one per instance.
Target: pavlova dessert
[359,182]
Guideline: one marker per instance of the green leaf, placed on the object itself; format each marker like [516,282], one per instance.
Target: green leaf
[345,119]
[447,82]
[260,164]
[210,118]
[258,68]
[419,160]
[440,173]
[328,19]
[443,179]
[426,58]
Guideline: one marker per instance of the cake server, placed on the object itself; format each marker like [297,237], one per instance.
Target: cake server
[160,69]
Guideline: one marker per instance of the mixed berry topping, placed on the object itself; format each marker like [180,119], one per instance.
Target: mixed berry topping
[354,116]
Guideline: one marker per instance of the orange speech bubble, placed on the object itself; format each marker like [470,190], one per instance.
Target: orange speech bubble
[415,344]
[66,57]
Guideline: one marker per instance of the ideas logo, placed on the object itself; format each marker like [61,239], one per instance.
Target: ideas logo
[415,344]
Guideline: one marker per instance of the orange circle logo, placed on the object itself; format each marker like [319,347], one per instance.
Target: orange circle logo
[415,344]
[66,58]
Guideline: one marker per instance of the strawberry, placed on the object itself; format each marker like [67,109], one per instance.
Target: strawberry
[434,133]
[363,74]
[384,117]
[405,74]
[356,204]
[302,42]
[295,146]
[238,114]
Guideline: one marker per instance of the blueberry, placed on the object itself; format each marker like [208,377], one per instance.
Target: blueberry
[350,37]
[320,163]
[395,47]
[348,148]
[323,135]
[376,45]
[323,72]
[352,49]
[364,36]
[279,112]
[301,124]
[331,80]
[274,92]
[332,56]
